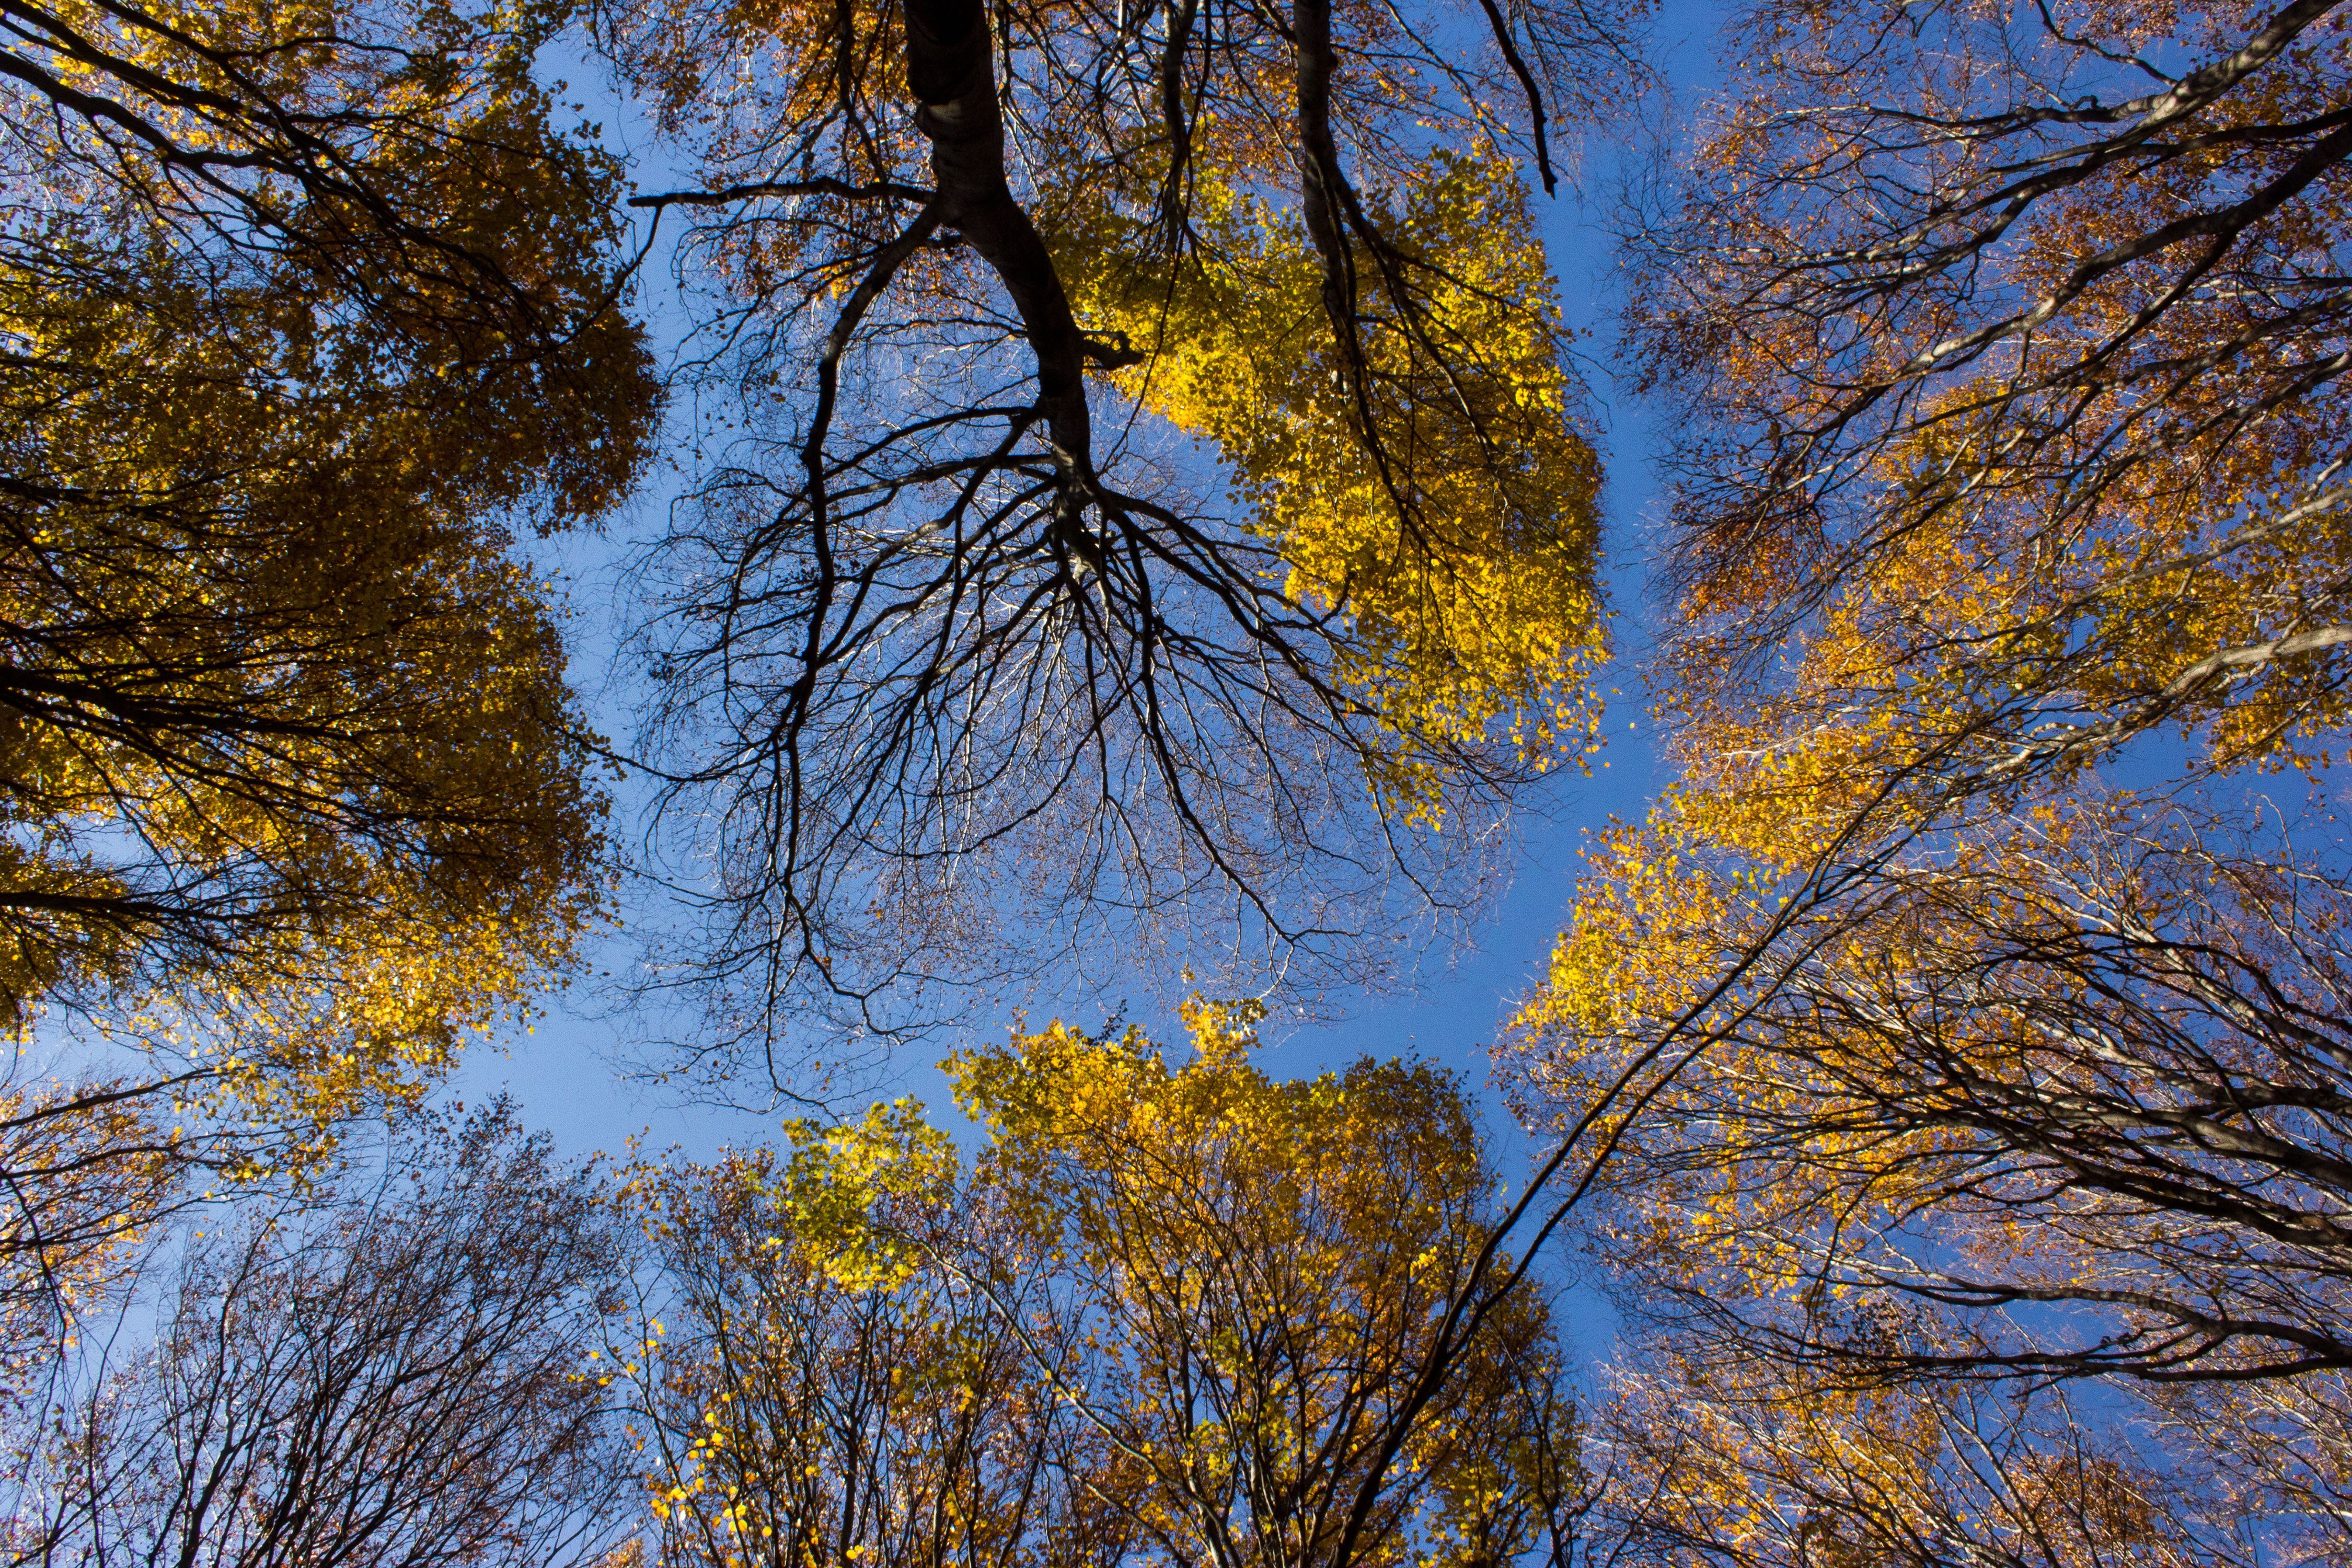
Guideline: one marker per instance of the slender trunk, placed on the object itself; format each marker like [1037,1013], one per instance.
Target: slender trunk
[1320,179]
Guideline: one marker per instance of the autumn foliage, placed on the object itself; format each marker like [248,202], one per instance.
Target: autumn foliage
[305,311]
[1965,1028]
[1169,1315]
[1109,493]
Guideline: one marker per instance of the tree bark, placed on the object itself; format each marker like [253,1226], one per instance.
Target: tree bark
[951,69]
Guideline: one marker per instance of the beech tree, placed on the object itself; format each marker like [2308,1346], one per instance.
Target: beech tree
[397,1374]
[2029,1115]
[1140,482]
[1265,1274]
[1968,1022]
[302,312]
[367,291]
[1174,1314]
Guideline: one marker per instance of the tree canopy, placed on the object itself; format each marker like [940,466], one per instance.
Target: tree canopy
[1171,1315]
[303,311]
[1108,493]
[1141,494]
[1967,1023]
[304,314]
[390,1377]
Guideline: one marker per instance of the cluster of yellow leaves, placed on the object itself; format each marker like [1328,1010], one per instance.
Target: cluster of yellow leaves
[1186,1291]
[841,1182]
[1447,513]
[1092,1135]
[1798,1115]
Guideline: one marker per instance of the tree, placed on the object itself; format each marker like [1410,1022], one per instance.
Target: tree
[1264,1273]
[394,1375]
[803,1396]
[302,312]
[2026,1116]
[289,750]
[2010,320]
[368,291]
[1726,1469]
[1914,1056]
[393,164]
[1173,1314]
[967,660]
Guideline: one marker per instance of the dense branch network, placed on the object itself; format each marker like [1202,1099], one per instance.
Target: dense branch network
[971,661]
[1968,1023]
